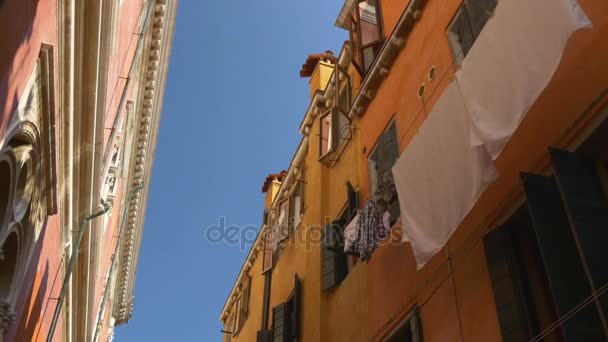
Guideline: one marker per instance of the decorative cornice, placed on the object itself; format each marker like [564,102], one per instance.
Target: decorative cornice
[159,39]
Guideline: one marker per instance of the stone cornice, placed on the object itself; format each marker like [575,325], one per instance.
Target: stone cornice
[159,38]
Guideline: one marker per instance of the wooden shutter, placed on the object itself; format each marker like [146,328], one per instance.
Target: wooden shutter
[333,259]
[587,206]
[510,305]
[246,294]
[263,336]
[296,308]
[353,200]
[280,323]
[268,250]
[567,280]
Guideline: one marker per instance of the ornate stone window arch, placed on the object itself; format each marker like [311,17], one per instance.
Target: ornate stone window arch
[27,182]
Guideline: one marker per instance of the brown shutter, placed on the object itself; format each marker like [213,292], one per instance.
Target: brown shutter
[510,305]
[246,294]
[268,250]
[567,280]
[587,206]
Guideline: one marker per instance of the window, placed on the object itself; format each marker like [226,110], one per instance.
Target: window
[283,222]
[366,31]
[295,204]
[286,316]
[344,90]
[334,131]
[335,263]
[326,134]
[269,239]
[409,331]
[242,304]
[468,22]
[380,162]
[547,263]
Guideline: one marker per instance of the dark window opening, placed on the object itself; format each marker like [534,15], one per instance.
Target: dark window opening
[467,24]
[547,262]
[409,331]
[380,163]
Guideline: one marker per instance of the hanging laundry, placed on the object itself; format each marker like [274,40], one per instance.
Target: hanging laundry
[439,176]
[510,65]
[370,229]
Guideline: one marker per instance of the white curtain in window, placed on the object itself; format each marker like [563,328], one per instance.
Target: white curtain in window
[512,61]
[440,176]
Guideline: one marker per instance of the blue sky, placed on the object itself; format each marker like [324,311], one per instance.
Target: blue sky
[232,108]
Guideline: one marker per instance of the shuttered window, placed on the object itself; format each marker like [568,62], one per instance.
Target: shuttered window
[562,261]
[567,215]
[523,290]
[333,259]
[280,323]
[587,206]
[286,316]
[244,302]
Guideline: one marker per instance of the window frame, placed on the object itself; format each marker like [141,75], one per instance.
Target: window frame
[374,180]
[329,139]
[376,45]
[414,320]
[453,40]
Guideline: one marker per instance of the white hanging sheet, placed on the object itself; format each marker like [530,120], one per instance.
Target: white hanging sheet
[440,176]
[511,63]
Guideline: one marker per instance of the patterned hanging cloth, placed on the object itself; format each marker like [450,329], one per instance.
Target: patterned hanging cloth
[370,229]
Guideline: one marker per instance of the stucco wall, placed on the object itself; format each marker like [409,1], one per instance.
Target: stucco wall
[395,285]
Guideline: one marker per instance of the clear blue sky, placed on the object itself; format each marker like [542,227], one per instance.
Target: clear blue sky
[232,108]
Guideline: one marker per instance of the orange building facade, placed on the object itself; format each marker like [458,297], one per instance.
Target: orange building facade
[507,250]
[81,87]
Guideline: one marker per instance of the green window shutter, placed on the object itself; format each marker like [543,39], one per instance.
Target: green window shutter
[587,206]
[510,305]
[333,259]
[280,323]
[353,200]
[263,336]
[296,308]
[567,279]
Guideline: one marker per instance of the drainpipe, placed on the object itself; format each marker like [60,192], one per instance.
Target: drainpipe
[68,274]
[113,262]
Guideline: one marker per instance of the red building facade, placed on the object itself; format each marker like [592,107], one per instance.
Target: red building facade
[81,87]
